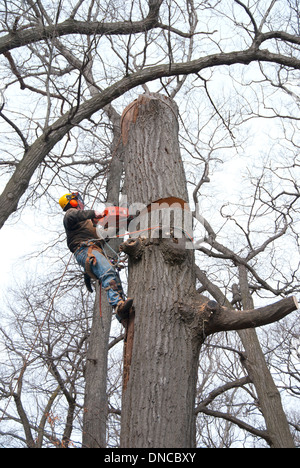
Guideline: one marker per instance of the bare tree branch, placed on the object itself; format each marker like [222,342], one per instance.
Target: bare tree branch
[36,153]
[19,38]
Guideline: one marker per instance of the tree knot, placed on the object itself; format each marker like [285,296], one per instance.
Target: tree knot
[133,247]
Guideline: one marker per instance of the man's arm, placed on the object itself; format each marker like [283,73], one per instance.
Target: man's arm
[73,217]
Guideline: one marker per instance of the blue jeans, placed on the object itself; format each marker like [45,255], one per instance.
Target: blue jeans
[104,271]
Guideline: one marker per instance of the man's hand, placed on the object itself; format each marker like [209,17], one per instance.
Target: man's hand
[98,216]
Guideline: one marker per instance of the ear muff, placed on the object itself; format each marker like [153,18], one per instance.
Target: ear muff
[73,203]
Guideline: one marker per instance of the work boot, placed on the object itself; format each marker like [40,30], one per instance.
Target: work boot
[123,308]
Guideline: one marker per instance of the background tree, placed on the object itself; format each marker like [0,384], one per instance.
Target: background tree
[58,122]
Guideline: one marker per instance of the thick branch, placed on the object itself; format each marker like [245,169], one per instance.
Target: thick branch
[71,26]
[25,422]
[281,35]
[225,319]
[41,428]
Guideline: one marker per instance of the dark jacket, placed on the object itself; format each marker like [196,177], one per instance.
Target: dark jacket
[79,227]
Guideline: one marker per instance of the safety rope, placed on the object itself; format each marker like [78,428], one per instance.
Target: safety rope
[157,227]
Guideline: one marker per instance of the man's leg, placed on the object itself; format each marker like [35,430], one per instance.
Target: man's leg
[111,283]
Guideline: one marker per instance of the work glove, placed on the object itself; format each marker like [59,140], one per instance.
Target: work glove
[98,215]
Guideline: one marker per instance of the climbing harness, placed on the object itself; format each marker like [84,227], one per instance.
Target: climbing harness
[91,259]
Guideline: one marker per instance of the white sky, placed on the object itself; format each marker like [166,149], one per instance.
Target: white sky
[17,241]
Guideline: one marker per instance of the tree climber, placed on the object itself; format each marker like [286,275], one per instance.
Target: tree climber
[86,246]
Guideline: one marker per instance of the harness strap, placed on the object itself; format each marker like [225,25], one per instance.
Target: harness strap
[91,259]
[114,284]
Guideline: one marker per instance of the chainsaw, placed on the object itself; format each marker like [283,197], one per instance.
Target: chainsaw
[113,216]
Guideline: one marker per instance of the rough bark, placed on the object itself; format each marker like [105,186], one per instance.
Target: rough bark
[157,407]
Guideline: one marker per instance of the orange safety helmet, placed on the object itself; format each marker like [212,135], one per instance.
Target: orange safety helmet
[71,200]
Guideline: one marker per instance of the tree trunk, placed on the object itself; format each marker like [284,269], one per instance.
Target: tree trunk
[158,402]
[95,401]
[268,395]
[170,319]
